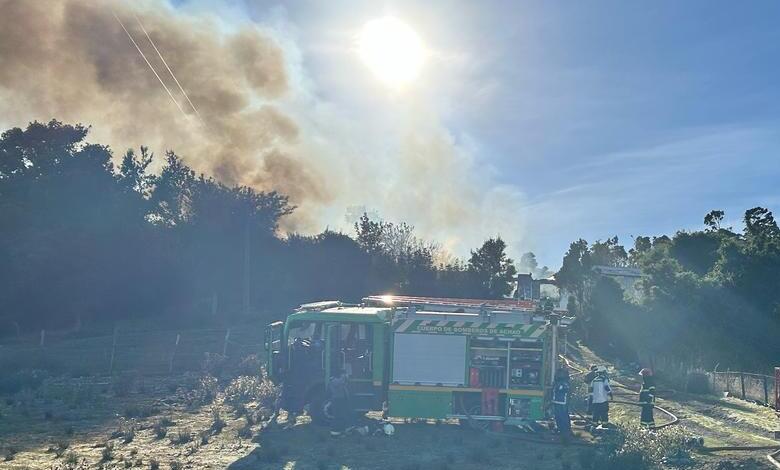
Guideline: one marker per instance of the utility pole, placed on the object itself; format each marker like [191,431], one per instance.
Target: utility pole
[246,269]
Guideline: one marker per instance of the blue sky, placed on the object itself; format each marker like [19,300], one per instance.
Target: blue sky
[594,118]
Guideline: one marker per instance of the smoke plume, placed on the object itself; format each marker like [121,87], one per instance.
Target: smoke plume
[73,61]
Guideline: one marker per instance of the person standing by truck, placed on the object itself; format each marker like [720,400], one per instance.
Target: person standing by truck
[560,400]
[602,393]
[589,381]
[337,408]
[647,398]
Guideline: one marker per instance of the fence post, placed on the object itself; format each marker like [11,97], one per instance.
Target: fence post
[43,338]
[742,383]
[173,355]
[224,346]
[728,382]
[113,352]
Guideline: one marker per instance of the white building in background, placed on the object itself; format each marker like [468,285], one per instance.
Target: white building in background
[627,278]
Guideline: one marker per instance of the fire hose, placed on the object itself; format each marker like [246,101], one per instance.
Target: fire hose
[773,457]
[673,419]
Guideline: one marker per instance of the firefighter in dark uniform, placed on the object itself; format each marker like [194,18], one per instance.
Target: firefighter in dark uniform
[647,398]
[560,400]
[337,409]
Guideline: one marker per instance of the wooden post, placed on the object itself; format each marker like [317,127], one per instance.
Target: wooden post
[224,346]
[173,354]
[113,352]
[43,338]
[742,383]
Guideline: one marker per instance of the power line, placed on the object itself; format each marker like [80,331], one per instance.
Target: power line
[169,69]
[150,65]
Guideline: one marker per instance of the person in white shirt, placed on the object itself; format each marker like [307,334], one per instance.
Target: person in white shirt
[602,393]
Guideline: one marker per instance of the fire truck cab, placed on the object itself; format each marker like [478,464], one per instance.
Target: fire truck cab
[417,357]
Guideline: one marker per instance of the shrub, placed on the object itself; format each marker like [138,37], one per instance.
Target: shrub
[107,453]
[636,448]
[176,465]
[71,458]
[182,437]
[10,453]
[251,389]
[129,436]
[250,365]
[159,429]
[205,391]
[217,423]
[140,411]
[213,364]
[154,464]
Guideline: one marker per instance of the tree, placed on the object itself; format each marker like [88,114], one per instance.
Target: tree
[491,270]
[575,269]
[713,219]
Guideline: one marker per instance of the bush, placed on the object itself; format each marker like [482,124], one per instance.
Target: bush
[107,453]
[250,366]
[217,423]
[205,391]
[154,464]
[251,389]
[159,429]
[213,364]
[71,458]
[140,411]
[636,448]
[182,437]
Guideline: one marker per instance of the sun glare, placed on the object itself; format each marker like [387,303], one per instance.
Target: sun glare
[391,50]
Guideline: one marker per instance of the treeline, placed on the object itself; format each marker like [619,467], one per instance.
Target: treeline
[708,297]
[85,241]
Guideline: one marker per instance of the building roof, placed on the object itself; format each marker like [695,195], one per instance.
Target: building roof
[618,272]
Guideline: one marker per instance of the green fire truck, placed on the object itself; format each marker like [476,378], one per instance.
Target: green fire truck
[419,357]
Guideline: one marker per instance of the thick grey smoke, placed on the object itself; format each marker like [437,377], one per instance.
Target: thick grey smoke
[71,60]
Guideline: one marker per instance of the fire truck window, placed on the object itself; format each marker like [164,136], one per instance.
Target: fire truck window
[357,349]
[304,330]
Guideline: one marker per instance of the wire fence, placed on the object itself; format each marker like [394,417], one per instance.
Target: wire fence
[747,386]
[144,352]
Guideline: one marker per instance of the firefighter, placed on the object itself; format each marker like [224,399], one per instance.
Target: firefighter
[295,380]
[560,400]
[647,398]
[337,408]
[602,393]
[588,379]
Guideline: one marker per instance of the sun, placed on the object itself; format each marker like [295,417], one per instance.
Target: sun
[391,50]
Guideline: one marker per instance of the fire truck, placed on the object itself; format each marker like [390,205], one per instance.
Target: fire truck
[419,357]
